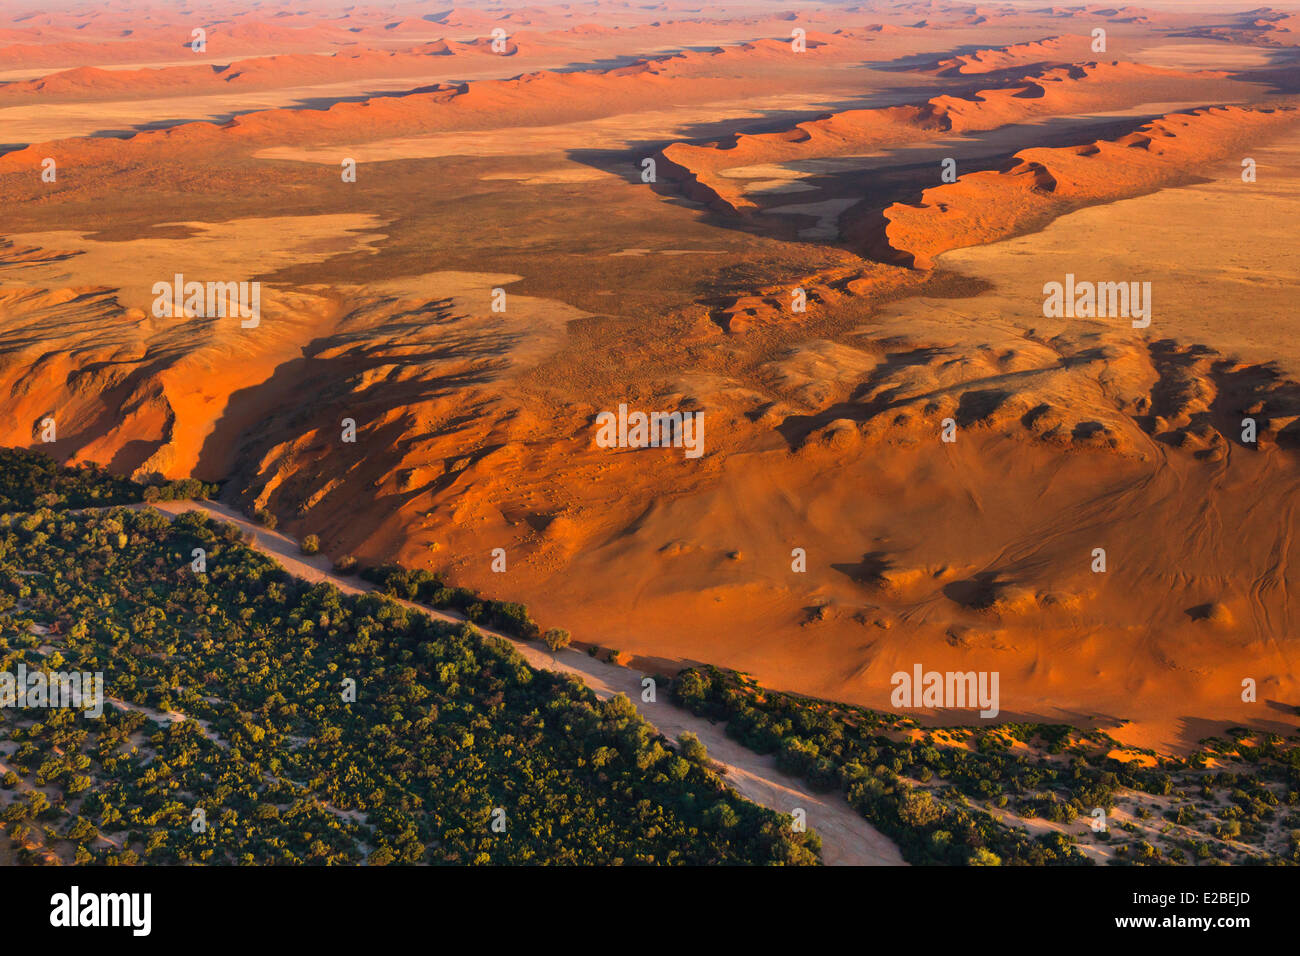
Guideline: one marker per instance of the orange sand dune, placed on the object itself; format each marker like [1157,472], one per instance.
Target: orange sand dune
[165,37]
[1050,92]
[465,17]
[119,37]
[1053,49]
[545,96]
[160,395]
[1273,28]
[173,43]
[267,72]
[1040,184]
[72,39]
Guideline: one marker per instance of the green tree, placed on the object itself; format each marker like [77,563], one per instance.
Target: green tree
[692,749]
[556,639]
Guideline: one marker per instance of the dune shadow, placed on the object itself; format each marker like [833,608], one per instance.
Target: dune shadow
[866,571]
[976,592]
[257,418]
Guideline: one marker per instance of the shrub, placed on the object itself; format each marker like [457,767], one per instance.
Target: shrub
[310,545]
[692,749]
[556,639]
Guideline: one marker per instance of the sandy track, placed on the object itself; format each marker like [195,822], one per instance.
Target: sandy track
[847,839]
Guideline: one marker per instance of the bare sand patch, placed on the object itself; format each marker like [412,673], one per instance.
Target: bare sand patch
[827,213]
[549,177]
[1209,56]
[211,252]
[1220,256]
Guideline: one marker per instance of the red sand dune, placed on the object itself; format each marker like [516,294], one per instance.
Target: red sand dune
[1264,27]
[169,43]
[1049,49]
[1049,92]
[1041,184]
[539,97]
[265,72]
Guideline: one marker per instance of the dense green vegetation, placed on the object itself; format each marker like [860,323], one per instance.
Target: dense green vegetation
[428,588]
[925,789]
[30,480]
[448,730]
